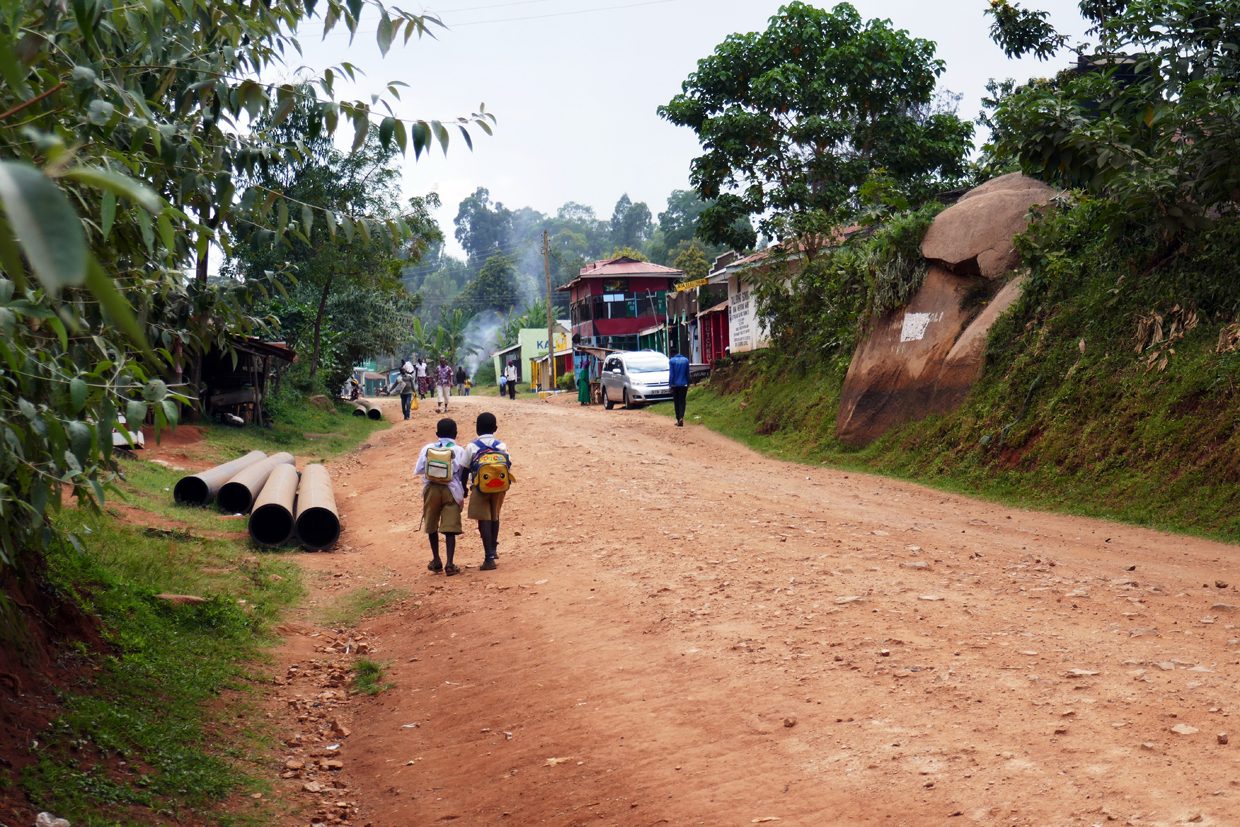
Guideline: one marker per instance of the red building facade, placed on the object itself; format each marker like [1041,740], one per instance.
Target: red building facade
[613,300]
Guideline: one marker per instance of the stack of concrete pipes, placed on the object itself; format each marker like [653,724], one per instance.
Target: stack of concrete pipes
[367,408]
[281,503]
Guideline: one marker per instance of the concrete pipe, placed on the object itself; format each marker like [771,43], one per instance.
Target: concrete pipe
[238,494]
[271,521]
[370,408]
[201,488]
[318,522]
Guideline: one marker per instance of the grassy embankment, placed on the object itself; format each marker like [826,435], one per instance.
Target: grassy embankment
[164,727]
[1066,416]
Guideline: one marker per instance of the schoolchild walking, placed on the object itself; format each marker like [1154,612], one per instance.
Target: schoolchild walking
[488,467]
[440,465]
[510,375]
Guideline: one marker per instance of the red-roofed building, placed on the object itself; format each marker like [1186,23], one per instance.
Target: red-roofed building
[613,300]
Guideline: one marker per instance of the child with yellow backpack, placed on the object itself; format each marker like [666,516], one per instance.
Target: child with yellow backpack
[489,470]
[440,464]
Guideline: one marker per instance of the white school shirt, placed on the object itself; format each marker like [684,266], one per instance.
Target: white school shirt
[458,457]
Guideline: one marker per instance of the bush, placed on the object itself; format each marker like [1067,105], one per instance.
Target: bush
[565,382]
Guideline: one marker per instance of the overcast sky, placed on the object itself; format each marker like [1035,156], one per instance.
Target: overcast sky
[575,85]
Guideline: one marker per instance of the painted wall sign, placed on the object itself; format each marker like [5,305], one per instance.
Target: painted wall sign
[915,324]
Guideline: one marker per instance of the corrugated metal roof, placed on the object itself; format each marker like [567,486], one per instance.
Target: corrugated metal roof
[623,266]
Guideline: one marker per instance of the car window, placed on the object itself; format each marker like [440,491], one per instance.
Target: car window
[646,363]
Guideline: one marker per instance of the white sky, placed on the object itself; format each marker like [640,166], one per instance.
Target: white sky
[575,85]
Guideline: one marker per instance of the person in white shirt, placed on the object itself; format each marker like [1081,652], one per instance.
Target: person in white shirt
[510,377]
[442,498]
[424,380]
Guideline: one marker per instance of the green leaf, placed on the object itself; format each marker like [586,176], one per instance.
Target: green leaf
[384,36]
[171,411]
[331,223]
[421,138]
[307,219]
[115,304]
[469,142]
[441,134]
[107,213]
[45,225]
[79,440]
[11,70]
[99,112]
[387,129]
[155,390]
[117,184]
[77,393]
[355,9]
[402,136]
[135,413]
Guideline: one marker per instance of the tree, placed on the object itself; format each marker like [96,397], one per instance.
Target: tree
[691,258]
[1148,116]
[494,288]
[365,181]
[627,252]
[125,131]
[795,119]
[630,223]
[483,228]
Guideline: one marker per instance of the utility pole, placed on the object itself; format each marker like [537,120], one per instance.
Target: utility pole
[550,314]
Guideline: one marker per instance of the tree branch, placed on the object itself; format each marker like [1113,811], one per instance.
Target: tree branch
[32,101]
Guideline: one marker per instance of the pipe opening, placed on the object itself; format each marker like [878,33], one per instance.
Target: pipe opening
[318,528]
[191,491]
[374,413]
[235,498]
[271,525]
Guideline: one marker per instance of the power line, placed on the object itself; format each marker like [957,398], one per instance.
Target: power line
[564,13]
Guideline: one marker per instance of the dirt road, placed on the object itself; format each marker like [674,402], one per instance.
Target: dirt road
[683,632]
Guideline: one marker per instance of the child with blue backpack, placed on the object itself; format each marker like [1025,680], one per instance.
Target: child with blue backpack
[488,472]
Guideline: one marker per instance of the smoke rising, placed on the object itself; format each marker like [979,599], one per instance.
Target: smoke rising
[481,338]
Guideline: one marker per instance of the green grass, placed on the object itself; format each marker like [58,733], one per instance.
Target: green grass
[303,429]
[1137,457]
[352,607]
[1065,415]
[164,725]
[146,741]
[368,677]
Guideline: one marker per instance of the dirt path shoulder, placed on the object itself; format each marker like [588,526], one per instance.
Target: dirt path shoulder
[684,632]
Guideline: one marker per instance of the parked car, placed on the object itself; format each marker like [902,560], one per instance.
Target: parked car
[635,377]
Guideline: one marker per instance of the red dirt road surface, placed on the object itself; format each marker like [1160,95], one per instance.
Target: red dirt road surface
[684,632]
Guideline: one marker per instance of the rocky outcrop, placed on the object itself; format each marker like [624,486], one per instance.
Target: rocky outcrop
[924,358]
[974,236]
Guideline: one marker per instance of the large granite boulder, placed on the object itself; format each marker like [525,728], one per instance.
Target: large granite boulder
[973,237]
[894,373]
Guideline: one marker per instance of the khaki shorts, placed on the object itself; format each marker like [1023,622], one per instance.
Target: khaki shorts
[485,506]
[440,513]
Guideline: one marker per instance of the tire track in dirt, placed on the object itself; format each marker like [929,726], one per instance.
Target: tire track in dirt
[684,632]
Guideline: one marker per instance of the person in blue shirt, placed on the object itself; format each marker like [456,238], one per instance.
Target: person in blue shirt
[678,378]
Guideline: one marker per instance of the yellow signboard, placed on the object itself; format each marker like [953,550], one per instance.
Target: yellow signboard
[690,285]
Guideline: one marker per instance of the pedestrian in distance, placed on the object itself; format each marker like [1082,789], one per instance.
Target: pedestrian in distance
[489,472]
[469,384]
[460,380]
[423,375]
[444,376]
[581,366]
[440,465]
[510,374]
[405,385]
[678,379]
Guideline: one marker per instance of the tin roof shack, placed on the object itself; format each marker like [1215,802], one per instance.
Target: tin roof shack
[684,317]
[531,346]
[613,300]
[235,381]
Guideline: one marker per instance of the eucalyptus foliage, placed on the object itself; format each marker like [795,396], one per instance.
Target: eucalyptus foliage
[1149,115]
[794,120]
[130,134]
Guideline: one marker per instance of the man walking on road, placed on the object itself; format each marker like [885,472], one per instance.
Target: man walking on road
[404,385]
[510,374]
[678,378]
[444,375]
